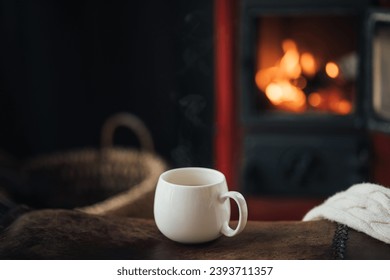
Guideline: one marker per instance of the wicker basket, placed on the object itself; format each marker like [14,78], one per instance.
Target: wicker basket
[112,180]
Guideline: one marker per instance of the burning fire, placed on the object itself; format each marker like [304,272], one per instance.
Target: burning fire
[285,84]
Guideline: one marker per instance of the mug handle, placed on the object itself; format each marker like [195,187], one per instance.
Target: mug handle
[243,214]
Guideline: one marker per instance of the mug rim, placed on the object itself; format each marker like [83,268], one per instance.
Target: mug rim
[219,173]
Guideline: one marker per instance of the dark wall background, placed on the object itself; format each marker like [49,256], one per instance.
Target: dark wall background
[66,66]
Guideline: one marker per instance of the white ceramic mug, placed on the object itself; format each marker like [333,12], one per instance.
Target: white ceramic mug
[192,205]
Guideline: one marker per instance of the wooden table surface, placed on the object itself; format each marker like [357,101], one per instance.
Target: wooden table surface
[69,234]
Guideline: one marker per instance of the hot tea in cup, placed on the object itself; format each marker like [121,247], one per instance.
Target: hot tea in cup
[192,205]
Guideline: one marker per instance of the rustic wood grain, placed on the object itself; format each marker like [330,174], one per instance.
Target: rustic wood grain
[69,234]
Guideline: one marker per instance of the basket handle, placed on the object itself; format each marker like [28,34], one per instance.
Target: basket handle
[130,121]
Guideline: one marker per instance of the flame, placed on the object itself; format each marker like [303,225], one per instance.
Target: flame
[330,100]
[332,70]
[289,64]
[308,64]
[344,107]
[287,96]
[284,83]
[315,99]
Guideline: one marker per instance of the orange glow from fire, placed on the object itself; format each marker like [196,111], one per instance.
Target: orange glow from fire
[285,82]
[308,64]
[315,99]
[332,70]
[344,107]
[330,101]
[286,95]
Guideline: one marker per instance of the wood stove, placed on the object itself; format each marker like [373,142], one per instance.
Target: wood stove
[312,84]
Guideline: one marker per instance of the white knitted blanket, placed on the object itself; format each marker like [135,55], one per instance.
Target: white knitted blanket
[363,207]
